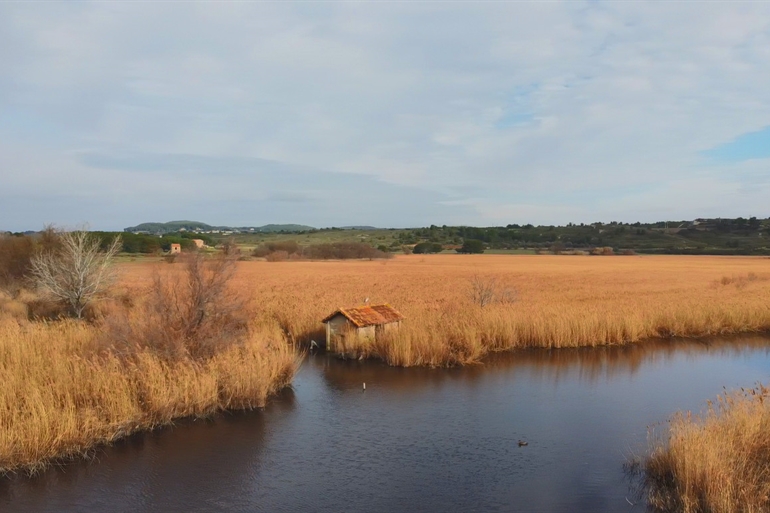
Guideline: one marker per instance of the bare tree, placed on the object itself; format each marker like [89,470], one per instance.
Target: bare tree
[487,290]
[191,310]
[78,271]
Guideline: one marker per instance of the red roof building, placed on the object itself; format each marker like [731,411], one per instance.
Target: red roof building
[348,328]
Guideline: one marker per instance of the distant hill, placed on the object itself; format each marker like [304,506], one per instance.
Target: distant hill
[171,226]
[196,226]
[280,228]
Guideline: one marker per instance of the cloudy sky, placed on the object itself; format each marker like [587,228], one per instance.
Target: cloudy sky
[382,113]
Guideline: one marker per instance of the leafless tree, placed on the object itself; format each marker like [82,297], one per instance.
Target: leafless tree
[487,290]
[77,272]
[191,310]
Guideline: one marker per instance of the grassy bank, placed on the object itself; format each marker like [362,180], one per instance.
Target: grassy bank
[539,301]
[717,462]
[68,386]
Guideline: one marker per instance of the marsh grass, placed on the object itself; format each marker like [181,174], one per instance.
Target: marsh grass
[64,393]
[560,301]
[69,386]
[715,462]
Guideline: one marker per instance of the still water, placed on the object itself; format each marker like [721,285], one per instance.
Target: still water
[423,440]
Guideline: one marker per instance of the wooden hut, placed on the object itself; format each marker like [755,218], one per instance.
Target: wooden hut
[362,323]
[175,249]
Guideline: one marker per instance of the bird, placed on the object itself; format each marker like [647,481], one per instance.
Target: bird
[366,301]
[522,443]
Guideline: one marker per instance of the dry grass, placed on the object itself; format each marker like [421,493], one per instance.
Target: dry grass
[560,301]
[67,387]
[63,394]
[718,462]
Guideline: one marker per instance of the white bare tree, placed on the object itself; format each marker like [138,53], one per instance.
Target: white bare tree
[78,271]
[488,290]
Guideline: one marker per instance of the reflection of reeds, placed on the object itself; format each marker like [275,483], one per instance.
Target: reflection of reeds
[561,301]
[717,462]
[581,364]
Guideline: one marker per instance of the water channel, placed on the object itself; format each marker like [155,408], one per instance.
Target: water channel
[422,440]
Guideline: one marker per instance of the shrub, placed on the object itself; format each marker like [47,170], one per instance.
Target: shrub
[427,248]
[485,291]
[15,256]
[192,312]
[277,256]
[471,246]
[343,251]
[290,247]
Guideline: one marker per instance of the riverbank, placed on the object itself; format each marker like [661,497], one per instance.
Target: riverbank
[714,462]
[64,392]
[418,439]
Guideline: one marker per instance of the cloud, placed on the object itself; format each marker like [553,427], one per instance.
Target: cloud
[108,187]
[521,112]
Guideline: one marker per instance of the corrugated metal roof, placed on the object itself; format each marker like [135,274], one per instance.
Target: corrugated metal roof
[374,315]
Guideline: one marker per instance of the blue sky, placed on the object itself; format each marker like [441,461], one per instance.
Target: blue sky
[389,114]
[748,146]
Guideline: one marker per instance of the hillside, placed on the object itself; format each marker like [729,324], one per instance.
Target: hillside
[737,236]
[196,226]
[702,236]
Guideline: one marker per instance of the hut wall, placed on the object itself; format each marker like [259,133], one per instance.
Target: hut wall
[337,328]
[366,333]
[387,328]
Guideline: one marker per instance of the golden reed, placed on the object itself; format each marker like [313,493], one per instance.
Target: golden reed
[716,462]
[65,391]
[558,301]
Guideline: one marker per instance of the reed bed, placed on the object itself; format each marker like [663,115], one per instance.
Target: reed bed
[69,386]
[549,301]
[716,462]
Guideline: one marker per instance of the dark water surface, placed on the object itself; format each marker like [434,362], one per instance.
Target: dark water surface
[431,440]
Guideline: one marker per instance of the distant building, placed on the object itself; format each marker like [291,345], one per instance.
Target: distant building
[175,249]
[359,324]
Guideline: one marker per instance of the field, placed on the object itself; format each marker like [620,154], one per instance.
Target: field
[537,301]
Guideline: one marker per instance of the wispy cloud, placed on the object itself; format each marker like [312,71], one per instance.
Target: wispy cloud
[384,114]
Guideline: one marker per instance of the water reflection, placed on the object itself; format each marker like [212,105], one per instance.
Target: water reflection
[587,365]
[196,465]
[417,439]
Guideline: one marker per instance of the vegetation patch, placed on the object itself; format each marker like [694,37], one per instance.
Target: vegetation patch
[184,344]
[716,462]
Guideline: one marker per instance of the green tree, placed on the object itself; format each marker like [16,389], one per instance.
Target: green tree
[471,246]
[427,247]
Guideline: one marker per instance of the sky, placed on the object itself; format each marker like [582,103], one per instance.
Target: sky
[392,114]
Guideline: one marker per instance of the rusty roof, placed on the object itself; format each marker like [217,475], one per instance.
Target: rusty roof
[367,315]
